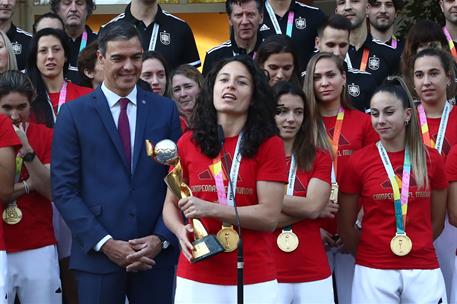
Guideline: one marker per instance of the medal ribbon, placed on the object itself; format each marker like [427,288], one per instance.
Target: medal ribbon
[218,174]
[400,200]
[62,99]
[83,44]
[153,41]
[441,130]
[274,21]
[363,63]
[291,183]
[335,141]
[450,43]
[394,43]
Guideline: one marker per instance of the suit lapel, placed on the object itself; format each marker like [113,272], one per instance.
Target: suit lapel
[102,107]
[141,115]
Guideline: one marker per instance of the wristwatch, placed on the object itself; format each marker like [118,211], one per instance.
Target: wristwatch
[165,243]
[28,157]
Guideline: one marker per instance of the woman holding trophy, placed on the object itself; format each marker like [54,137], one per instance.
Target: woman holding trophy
[238,165]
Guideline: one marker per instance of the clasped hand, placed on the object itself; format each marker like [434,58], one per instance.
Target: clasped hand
[135,255]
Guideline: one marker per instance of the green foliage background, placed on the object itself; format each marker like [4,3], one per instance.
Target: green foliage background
[417,10]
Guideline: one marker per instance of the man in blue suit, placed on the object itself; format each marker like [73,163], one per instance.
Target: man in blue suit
[107,190]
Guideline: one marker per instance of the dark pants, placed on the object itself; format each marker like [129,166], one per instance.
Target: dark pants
[152,286]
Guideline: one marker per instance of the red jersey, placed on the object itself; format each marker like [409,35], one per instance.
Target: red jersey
[356,133]
[309,261]
[450,136]
[35,230]
[73,91]
[365,175]
[8,138]
[451,166]
[268,164]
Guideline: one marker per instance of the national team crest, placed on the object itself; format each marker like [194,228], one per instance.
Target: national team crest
[374,63]
[354,90]
[300,23]
[165,38]
[17,48]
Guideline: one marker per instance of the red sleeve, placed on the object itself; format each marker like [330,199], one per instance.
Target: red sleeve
[437,176]
[8,137]
[351,182]
[370,135]
[272,161]
[451,165]
[322,166]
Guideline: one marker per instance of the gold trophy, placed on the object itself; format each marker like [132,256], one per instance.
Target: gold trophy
[165,152]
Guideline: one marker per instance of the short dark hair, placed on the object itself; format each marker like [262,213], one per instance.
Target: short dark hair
[86,61]
[90,6]
[277,44]
[337,22]
[115,31]
[15,81]
[163,61]
[229,5]
[398,4]
[49,15]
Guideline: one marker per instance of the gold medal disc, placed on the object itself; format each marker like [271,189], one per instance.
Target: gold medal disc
[287,241]
[334,193]
[12,215]
[401,244]
[228,237]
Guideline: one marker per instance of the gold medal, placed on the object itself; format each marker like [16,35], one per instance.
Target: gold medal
[12,215]
[228,238]
[334,193]
[287,241]
[401,244]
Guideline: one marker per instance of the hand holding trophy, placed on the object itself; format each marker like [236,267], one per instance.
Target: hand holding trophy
[165,152]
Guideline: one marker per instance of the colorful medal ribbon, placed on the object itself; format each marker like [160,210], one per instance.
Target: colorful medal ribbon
[400,200]
[62,99]
[450,43]
[218,174]
[83,44]
[394,42]
[364,62]
[335,141]
[274,21]
[428,141]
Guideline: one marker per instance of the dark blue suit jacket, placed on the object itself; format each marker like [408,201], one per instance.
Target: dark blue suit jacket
[92,185]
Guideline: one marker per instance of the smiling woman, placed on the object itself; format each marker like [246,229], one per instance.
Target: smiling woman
[401,185]
[48,59]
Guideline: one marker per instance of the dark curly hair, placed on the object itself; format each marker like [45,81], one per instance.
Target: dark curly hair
[90,6]
[260,123]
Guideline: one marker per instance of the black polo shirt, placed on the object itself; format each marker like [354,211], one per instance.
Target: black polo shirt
[382,59]
[20,40]
[74,45]
[174,39]
[225,50]
[360,87]
[307,20]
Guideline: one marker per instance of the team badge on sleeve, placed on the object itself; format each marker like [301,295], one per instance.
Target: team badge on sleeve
[300,23]
[165,38]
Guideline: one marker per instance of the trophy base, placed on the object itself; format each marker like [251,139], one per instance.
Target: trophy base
[205,247]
